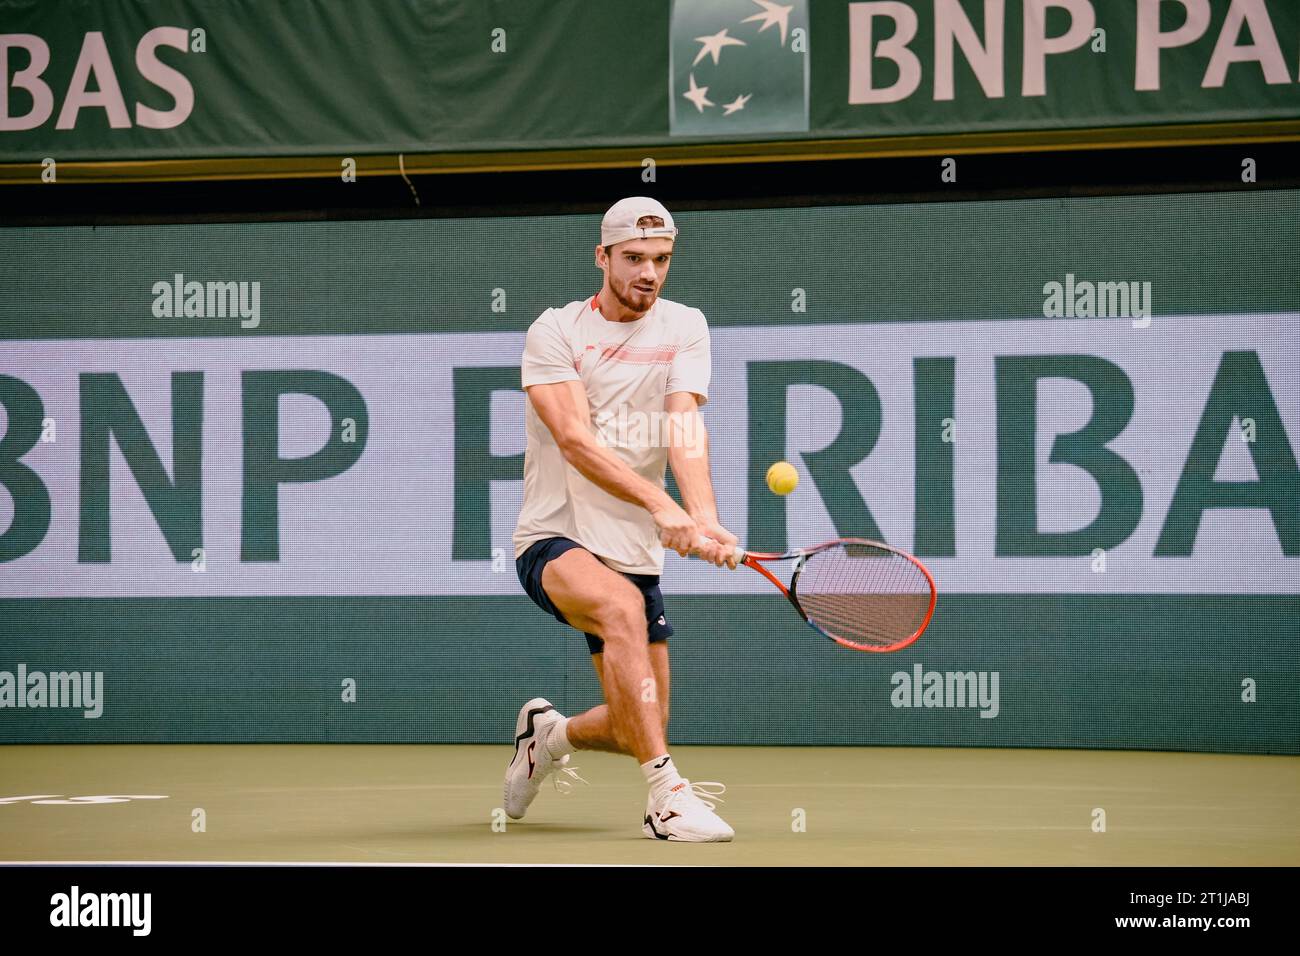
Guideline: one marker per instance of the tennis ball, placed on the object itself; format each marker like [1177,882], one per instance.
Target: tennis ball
[782,478]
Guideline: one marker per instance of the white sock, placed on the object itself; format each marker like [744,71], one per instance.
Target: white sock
[557,741]
[661,773]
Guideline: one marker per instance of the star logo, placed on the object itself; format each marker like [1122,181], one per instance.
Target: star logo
[744,65]
[773,15]
[713,45]
[737,104]
[696,95]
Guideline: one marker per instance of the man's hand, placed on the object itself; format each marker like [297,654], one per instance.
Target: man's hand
[677,529]
[722,550]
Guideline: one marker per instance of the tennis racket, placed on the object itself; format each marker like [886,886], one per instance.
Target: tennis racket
[861,594]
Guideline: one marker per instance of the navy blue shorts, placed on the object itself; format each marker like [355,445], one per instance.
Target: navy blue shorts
[529,565]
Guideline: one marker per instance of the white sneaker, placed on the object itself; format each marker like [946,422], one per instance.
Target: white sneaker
[686,815]
[532,762]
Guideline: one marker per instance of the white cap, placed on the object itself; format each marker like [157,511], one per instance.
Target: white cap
[620,222]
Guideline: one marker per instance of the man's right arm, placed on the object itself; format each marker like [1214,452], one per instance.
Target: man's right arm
[563,409]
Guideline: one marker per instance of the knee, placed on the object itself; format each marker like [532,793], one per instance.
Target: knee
[622,620]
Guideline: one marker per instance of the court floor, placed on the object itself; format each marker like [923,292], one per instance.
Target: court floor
[789,806]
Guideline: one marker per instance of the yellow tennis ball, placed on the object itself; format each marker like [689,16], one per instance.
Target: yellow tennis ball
[782,478]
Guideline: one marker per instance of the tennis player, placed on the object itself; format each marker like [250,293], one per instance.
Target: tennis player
[614,385]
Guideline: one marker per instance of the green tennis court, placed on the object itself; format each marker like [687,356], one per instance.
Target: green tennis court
[789,806]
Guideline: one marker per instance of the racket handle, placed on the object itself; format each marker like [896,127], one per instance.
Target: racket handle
[738,551]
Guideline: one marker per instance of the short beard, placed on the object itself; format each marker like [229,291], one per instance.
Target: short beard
[625,302]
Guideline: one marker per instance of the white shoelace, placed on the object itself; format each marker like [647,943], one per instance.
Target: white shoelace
[565,787]
[701,791]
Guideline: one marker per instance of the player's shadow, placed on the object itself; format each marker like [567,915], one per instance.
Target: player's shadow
[515,827]
[456,832]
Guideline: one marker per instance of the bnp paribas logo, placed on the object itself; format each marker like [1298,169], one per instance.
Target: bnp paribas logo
[738,67]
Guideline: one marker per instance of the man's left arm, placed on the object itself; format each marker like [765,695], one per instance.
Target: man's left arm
[688,456]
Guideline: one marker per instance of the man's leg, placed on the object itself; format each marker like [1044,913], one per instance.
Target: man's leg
[597,600]
[594,730]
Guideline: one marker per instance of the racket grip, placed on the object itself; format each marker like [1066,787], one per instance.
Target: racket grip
[738,551]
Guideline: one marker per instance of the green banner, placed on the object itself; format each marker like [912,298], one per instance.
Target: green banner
[259,481]
[123,80]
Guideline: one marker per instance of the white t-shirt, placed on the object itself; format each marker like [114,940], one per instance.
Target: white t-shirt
[628,369]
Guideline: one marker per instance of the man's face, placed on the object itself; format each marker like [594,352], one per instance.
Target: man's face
[637,270]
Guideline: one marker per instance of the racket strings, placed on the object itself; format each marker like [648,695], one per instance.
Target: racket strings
[864,594]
